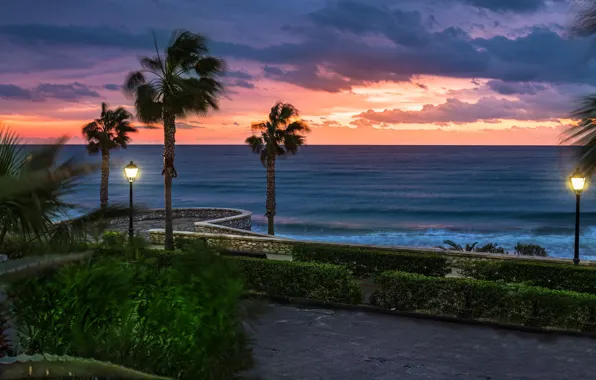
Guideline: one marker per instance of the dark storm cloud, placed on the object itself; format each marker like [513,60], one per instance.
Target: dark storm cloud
[242,83]
[308,77]
[347,43]
[239,75]
[514,88]
[68,92]
[519,6]
[333,40]
[111,87]
[76,36]
[10,91]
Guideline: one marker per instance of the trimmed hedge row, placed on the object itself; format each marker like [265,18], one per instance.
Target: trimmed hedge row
[365,262]
[553,276]
[295,279]
[515,304]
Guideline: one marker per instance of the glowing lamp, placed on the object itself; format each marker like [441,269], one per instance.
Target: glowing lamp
[578,181]
[131,171]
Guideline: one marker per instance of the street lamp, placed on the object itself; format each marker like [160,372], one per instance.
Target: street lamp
[131,171]
[578,183]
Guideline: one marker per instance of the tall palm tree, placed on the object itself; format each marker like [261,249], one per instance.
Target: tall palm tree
[182,82]
[108,132]
[583,133]
[281,134]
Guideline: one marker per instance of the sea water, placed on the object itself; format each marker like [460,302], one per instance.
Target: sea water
[382,195]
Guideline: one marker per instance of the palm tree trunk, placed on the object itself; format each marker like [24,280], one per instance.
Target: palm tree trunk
[168,173]
[105,176]
[270,205]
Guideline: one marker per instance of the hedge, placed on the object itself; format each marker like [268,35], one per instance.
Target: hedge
[365,262]
[515,304]
[553,276]
[295,279]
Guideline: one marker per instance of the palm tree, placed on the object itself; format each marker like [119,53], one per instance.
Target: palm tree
[280,135]
[183,82]
[584,132]
[108,132]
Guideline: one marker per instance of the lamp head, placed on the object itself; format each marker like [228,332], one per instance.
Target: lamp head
[578,181]
[131,171]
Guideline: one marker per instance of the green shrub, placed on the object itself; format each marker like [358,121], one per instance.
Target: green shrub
[179,319]
[183,243]
[365,262]
[530,250]
[295,279]
[467,298]
[121,245]
[548,275]
[491,248]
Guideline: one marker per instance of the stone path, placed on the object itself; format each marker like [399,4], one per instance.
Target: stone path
[294,343]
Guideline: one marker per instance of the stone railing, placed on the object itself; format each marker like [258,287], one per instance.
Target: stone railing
[212,220]
[277,247]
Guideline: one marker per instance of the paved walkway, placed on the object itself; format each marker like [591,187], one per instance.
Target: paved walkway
[295,343]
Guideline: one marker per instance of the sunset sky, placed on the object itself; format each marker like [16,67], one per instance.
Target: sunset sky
[361,72]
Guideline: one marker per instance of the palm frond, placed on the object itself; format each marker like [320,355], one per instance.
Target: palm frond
[255,143]
[584,23]
[133,81]
[185,49]
[147,104]
[209,67]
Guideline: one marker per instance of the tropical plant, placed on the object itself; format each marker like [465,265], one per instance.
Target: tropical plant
[33,184]
[491,248]
[487,248]
[583,132]
[110,131]
[453,246]
[280,135]
[530,250]
[182,82]
[115,311]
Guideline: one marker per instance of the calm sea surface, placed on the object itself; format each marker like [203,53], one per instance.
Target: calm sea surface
[384,195]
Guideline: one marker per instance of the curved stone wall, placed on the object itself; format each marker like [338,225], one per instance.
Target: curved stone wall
[204,219]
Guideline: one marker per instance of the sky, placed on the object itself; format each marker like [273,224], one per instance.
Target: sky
[456,72]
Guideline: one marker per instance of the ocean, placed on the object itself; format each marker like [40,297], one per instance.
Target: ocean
[383,195]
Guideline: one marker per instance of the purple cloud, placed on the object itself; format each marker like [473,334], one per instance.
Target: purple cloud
[68,92]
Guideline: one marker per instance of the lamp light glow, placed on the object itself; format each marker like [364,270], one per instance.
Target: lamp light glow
[578,181]
[131,171]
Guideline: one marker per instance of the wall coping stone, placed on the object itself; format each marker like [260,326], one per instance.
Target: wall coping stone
[447,253]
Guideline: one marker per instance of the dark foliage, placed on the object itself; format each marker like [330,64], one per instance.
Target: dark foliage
[553,276]
[365,262]
[295,279]
[505,303]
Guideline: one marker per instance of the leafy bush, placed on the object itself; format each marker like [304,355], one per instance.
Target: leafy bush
[530,250]
[491,248]
[177,319]
[364,262]
[295,279]
[548,275]
[183,243]
[487,248]
[512,304]
[119,244]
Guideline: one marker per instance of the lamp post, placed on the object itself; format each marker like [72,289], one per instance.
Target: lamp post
[578,182]
[131,171]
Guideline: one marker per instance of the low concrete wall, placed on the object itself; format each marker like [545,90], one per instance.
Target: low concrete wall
[284,247]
